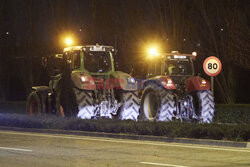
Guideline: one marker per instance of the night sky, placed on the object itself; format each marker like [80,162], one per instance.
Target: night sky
[30,29]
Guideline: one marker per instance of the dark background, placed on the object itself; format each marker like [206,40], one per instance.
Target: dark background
[30,29]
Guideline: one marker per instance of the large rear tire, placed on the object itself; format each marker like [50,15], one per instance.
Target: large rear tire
[85,103]
[204,105]
[130,107]
[157,105]
[33,105]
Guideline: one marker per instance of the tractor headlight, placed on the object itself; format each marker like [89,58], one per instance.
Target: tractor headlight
[83,79]
[130,80]
[169,84]
[86,79]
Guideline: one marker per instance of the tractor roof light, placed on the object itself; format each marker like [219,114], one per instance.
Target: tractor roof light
[194,54]
[175,52]
[72,48]
[99,48]
[152,52]
[179,57]
[68,41]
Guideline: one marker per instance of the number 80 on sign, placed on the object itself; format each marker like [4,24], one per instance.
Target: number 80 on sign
[212,66]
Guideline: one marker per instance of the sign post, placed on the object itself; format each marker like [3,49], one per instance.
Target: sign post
[212,85]
[212,67]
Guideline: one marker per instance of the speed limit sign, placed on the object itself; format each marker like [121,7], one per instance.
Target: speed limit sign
[212,66]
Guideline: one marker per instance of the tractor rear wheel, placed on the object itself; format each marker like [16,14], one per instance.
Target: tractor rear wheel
[85,103]
[157,105]
[130,107]
[204,105]
[33,105]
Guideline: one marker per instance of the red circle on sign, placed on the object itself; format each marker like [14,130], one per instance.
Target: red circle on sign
[218,63]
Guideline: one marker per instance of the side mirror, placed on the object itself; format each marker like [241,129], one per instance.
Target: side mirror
[53,63]
[117,66]
[59,56]
[44,62]
[56,72]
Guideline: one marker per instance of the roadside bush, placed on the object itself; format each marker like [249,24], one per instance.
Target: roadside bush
[238,128]
[235,113]
[13,107]
[215,132]
[224,113]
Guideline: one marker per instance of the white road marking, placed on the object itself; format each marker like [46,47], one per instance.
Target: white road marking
[15,149]
[102,139]
[161,164]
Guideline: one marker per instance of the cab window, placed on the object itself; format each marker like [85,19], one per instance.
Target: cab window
[154,68]
[76,59]
[73,59]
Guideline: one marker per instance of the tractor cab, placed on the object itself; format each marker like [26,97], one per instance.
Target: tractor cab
[172,64]
[92,59]
[176,64]
[179,67]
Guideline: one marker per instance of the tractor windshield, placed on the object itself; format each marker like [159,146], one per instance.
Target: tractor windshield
[97,62]
[179,67]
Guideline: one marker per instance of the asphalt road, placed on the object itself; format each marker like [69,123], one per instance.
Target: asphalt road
[36,149]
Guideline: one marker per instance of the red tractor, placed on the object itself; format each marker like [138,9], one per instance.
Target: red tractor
[173,92]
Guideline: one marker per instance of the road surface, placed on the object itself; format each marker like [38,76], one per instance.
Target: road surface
[27,149]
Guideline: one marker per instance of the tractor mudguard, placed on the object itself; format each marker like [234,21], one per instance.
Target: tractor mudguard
[118,80]
[123,81]
[83,81]
[197,83]
[41,93]
[39,89]
[54,80]
[159,82]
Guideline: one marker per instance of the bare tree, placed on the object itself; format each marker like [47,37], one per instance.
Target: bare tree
[220,27]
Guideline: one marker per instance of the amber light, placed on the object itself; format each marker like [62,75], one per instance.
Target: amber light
[203,82]
[169,84]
